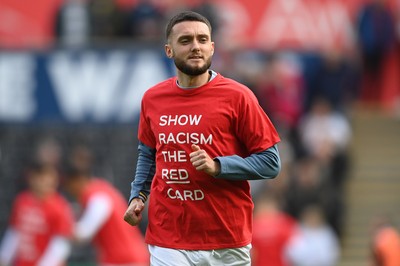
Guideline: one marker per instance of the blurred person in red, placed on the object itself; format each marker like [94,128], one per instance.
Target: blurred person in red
[272,230]
[41,223]
[101,222]
[281,93]
[385,243]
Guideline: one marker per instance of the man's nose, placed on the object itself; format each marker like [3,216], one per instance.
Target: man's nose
[195,46]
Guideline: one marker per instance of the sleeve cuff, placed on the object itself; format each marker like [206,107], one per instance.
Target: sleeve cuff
[222,165]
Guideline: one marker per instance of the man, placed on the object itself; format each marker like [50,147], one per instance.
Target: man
[272,229]
[41,223]
[103,206]
[202,136]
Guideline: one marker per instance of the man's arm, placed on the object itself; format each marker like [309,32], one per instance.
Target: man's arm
[8,246]
[263,165]
[140,187]
[56,252]
[96,213]
[145,170]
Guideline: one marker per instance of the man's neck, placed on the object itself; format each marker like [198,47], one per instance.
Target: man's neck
[187,81]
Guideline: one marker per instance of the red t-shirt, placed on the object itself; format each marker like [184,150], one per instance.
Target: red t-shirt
[189,209]
[117,242]
[37,221]
[271,234]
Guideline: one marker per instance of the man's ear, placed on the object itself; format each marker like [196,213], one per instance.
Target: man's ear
[168,51]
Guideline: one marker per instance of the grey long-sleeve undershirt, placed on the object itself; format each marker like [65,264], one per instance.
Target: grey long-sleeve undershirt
[262,165]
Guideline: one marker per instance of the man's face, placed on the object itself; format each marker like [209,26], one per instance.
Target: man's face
[191,47]
[44,183]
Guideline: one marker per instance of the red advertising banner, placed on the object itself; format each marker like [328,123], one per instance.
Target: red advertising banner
[265,24]
[299,24]
[27,23]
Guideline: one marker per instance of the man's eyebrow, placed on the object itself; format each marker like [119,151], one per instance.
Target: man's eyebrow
[191,36]
[204,36]
[185,36]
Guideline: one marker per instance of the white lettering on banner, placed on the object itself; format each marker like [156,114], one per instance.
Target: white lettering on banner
[147,70]
[103,87]
[182,120]
[17,86]
[184,138]
[185,194]
[300,24]
[88,86]
[233,11]
[316,25]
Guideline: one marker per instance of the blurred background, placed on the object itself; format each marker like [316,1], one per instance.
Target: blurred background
[72,74]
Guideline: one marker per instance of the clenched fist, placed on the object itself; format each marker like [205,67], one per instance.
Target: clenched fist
[203,162]
[133,214]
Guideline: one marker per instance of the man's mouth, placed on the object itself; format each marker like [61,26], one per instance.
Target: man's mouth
[195,57]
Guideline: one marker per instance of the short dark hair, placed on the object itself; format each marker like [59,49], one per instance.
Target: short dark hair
[72,172]
[186,16]
[36,167]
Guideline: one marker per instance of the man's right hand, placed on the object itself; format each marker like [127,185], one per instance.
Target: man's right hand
[133,214]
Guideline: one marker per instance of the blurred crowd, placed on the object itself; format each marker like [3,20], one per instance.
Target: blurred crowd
[300,215]
[63,212]
[364,69]
[83,22]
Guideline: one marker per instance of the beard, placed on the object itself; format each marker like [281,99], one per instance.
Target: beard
[190,70]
